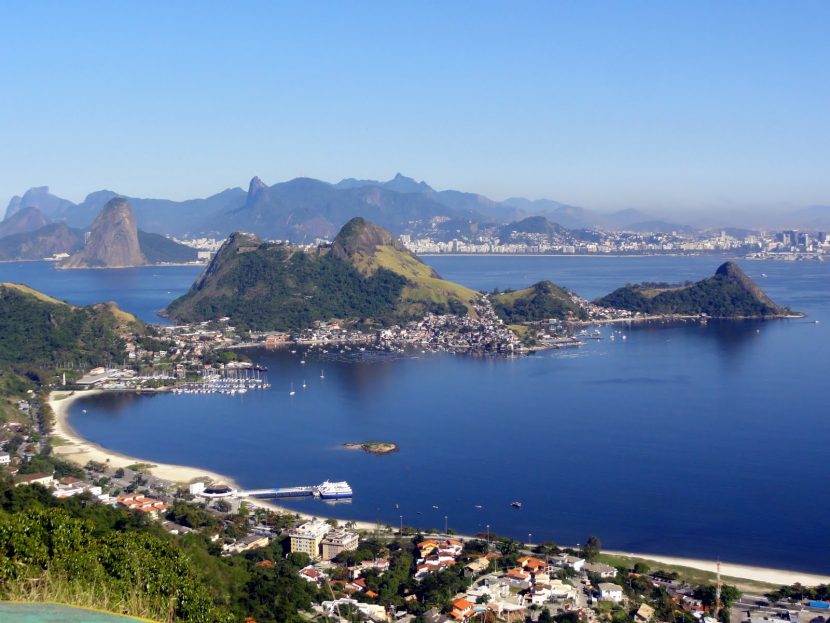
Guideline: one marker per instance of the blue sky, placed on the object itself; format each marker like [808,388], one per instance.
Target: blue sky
[664,106]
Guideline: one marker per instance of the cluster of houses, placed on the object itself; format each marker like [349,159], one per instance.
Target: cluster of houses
[436,555]
[65,487]
[512,591]
[70,486]
[11,429]
[141,503]
[435,332]
[506,592]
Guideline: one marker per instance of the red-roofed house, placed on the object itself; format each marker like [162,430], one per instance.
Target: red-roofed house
[310,574]
[462,609]
[138,502]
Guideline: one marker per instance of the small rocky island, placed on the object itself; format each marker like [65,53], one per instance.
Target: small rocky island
[373,447]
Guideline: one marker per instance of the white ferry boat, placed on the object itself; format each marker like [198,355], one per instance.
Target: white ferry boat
[334,490]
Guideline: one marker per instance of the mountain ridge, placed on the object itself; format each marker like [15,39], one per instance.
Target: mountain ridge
[24,220]
[302,209]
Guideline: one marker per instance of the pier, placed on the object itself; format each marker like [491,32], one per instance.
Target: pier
[280,492]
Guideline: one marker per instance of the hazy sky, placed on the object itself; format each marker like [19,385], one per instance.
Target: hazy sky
[657,105]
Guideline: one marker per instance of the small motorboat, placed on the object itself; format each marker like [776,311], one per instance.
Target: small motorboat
[516,504]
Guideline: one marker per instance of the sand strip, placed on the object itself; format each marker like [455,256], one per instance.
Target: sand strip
[81,451]
[748,572]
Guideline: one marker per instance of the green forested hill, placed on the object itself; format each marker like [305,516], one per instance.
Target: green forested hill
[729,293]
[37,331]
[275,287]
[79,552]
[540,301]
[365,275]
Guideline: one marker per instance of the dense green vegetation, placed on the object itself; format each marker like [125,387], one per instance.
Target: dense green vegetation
[727,294]
[38,333]
[90,554]
[540,301]
[365,276]
[75,551]
[158,249]
[83,553]
[797,592]
[279,288]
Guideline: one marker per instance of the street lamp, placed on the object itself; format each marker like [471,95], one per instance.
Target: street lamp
[401,532]
[530,538]
[488,536]
[445,524]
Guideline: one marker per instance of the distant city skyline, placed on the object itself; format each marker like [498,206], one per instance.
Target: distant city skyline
[670,108]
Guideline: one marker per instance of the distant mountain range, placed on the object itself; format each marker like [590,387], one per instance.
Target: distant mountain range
[303,209]
[113,240]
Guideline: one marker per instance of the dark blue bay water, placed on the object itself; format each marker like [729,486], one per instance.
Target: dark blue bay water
[688,440]
[143,290]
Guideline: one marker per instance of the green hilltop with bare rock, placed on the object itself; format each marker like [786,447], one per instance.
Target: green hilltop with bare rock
[729,293]
[365,276]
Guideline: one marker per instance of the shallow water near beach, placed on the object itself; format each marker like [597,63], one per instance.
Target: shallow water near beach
[699,441]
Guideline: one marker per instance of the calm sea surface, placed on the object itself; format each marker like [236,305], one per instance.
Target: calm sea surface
[688,440]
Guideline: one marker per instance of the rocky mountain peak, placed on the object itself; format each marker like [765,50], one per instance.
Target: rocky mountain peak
[361,236]
[23,220]
[113,239]
[732,272]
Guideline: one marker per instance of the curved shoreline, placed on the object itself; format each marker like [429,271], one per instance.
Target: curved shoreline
[80,451]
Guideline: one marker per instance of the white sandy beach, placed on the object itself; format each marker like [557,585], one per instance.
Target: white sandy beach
[748,572]
[80,451]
